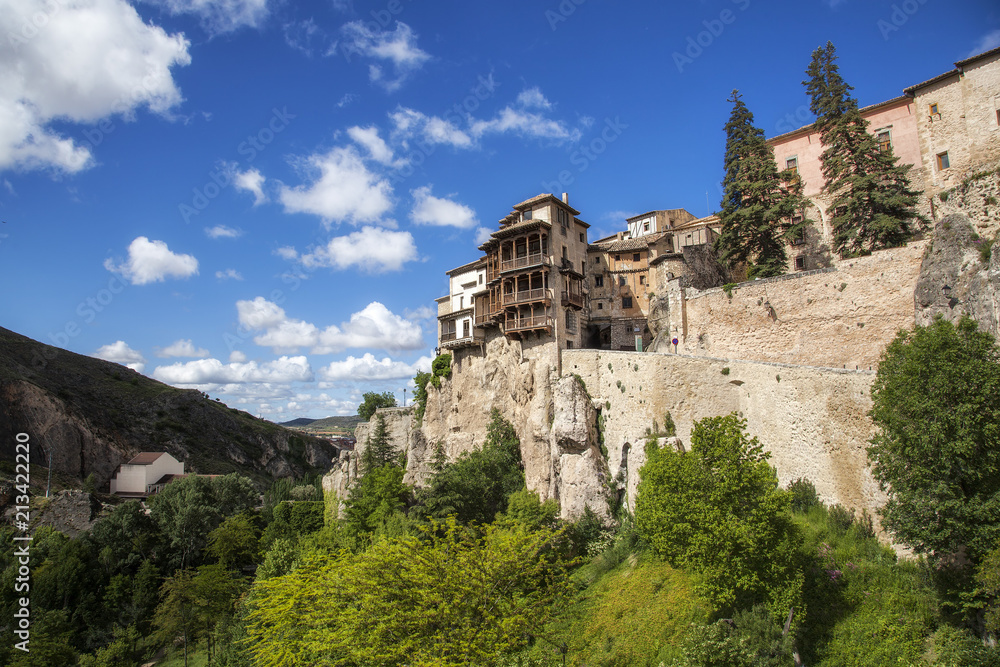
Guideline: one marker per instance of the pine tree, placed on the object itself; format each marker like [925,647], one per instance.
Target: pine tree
[873,204]
[758,202]
[379,449]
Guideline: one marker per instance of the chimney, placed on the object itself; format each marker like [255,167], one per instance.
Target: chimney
[566,198]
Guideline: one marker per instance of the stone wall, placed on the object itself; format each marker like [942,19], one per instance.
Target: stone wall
[840,317]
[978,197]
[813,420]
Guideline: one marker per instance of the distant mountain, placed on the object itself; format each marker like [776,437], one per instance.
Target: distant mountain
[93,415]
[334,423]
[301,421]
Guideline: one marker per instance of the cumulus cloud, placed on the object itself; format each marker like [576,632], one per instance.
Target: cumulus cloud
[377,149]
[229,274]
[397,48]
[213,372]
[79,62]
[120,353]
[420,313]
[371,249]
[237,356]
[287,252]
[181,348]
[342,189]
[430,129]
[483,235]
[431,210]
[251,181]
[369,368]
[223,232]
[374,327]
[533,97]
[152,261]
[527,124]
[219,16]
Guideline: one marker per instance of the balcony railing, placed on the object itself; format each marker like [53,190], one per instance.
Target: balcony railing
[538,322]
[524,262]
[445,337]
[526,295]
[572,299]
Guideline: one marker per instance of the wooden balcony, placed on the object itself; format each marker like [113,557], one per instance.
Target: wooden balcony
[526,296]
[527,323]
[574,299]
[518,263]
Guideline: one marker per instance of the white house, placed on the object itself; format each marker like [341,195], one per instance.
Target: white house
[145,474]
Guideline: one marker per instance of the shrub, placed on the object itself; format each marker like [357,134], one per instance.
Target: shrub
[725,371]
[804,495]
[840,518]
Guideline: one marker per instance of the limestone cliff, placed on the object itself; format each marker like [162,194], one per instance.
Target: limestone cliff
[955,258]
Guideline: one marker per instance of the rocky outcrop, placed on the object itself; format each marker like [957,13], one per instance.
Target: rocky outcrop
[956,277]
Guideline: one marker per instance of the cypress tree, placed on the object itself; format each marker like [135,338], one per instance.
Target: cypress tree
[379,450]
[873,203]
[758,202]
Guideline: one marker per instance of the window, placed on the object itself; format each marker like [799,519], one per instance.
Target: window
[626,302]
[621,281]
[799,238]
[884,139]
[645,225]
[569,345]
[933,109]
[564,252]
[461,302]
[582,239]
[635,257]
[792,164]
[480,279]
[642,280]
[570,321]
[800,263]
[618,258]
[597,260]
[526,215]
[942,161]
[600,306]
[598,281]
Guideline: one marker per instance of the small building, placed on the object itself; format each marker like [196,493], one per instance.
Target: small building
[147,473]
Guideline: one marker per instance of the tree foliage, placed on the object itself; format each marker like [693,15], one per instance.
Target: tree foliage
[373,401]
[374,499]
[477,485]
[937,408]
[873,204]
[451,597]
[379,449]
[718,510]
[759,204]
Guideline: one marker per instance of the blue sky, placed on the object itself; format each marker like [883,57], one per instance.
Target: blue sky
[260,199]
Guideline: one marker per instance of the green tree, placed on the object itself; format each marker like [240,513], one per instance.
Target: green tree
[379,449]
[235,542]
[936,406]
[718,510]
[477,485]
[758,203]
[873,204]
[374,499]
[193,603]
[451,597]
[373,401]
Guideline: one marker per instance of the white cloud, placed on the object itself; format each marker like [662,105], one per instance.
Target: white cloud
[181,348]
[399,48]
[237,356]
[252,181]
[88,60]
[299,35]
[259,313]
[483,235]
[223,232]
[370,249]
[374,327]
[533,97]
[420,313]
[229,274]
[525,123]
[219,16]
[432,129]
[987,42]
[152,261]
[431,210]
[377,149]
[343,190]
[369,368]
[347,98]
[287,252]
[120,353]
[213,371]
